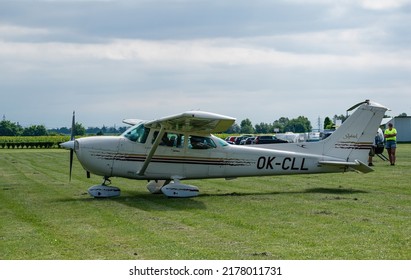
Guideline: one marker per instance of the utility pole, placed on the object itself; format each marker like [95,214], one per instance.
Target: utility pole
[319,123]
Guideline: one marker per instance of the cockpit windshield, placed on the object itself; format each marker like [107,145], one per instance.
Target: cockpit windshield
[137,134]
[220,141]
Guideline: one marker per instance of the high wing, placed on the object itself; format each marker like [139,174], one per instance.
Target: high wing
[194,122]
[132,121]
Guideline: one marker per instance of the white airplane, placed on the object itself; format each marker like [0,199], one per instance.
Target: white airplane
[171,149]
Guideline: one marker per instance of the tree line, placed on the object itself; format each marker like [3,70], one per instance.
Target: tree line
[298,125]
[9,128]
[282,125]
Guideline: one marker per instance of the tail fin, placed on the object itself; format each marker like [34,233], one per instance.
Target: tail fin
[353,140]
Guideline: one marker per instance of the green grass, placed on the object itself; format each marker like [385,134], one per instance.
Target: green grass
[325,216]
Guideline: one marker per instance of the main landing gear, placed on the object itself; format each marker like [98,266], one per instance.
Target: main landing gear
[170,188]
[104,189]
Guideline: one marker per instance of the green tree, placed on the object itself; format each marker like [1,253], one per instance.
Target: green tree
[79,129]
[328,124]
[246,127]
[35,130]
[234,129]
[8,128]
[340,117]
[264,128]
[298,125]
[280,124]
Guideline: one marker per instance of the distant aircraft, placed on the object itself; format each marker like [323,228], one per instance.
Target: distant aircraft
[179,147]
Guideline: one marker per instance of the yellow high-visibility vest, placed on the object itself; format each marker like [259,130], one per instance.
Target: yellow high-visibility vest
[391,132]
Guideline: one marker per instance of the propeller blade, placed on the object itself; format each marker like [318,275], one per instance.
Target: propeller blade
[71,162]
[73,126]
[72,138]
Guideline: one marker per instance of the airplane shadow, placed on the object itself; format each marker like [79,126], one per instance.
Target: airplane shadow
[320,190]
[159,202]
[150,202]
[143,201]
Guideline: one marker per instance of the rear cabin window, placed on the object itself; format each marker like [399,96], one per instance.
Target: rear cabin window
[170,139]
[198,142]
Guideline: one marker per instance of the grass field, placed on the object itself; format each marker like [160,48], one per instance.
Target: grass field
[333,216]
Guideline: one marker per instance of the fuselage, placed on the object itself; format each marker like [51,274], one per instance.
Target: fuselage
[190,156]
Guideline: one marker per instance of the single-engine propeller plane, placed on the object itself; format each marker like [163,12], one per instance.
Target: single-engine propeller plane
[168,150]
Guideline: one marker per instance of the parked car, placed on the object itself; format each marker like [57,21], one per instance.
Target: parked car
[268,139]
[242,137]
[247,141]
[231,139]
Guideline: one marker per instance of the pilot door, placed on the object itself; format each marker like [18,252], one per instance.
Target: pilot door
[167,160]
[203,159]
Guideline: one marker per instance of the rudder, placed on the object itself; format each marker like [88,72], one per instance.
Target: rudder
[354,138]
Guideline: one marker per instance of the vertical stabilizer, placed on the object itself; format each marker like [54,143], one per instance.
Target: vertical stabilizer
[353,139]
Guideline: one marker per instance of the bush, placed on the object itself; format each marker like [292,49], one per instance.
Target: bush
[32,142]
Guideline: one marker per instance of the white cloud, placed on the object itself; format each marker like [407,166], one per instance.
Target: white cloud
[384,4]
[13,31]
[369,4]
[344,48]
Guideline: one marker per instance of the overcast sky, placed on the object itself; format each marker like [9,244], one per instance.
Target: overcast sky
[259,59]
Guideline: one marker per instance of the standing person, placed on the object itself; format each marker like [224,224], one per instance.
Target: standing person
[390,135]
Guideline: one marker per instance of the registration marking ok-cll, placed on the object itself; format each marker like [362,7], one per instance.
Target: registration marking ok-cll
[287,163]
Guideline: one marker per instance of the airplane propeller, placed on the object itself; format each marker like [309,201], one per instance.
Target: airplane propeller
[72,138]
[69,145]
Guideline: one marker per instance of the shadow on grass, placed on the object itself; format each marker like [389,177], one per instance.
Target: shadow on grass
[333,191]
[340,191]
[150,202]
[143,201]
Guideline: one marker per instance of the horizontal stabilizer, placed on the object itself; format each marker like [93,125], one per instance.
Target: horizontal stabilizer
[356,165]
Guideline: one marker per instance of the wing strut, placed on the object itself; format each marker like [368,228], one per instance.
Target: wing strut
[152,151]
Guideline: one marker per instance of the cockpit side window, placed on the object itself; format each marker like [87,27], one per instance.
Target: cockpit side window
[138,134]
[199,142]
[170,139]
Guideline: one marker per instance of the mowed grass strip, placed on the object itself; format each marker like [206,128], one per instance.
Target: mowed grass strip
[324,216]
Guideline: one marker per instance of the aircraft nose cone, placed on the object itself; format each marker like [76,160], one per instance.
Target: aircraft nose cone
[69,145]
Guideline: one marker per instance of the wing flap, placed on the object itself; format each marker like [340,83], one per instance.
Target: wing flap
[356,165]
[194,121]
